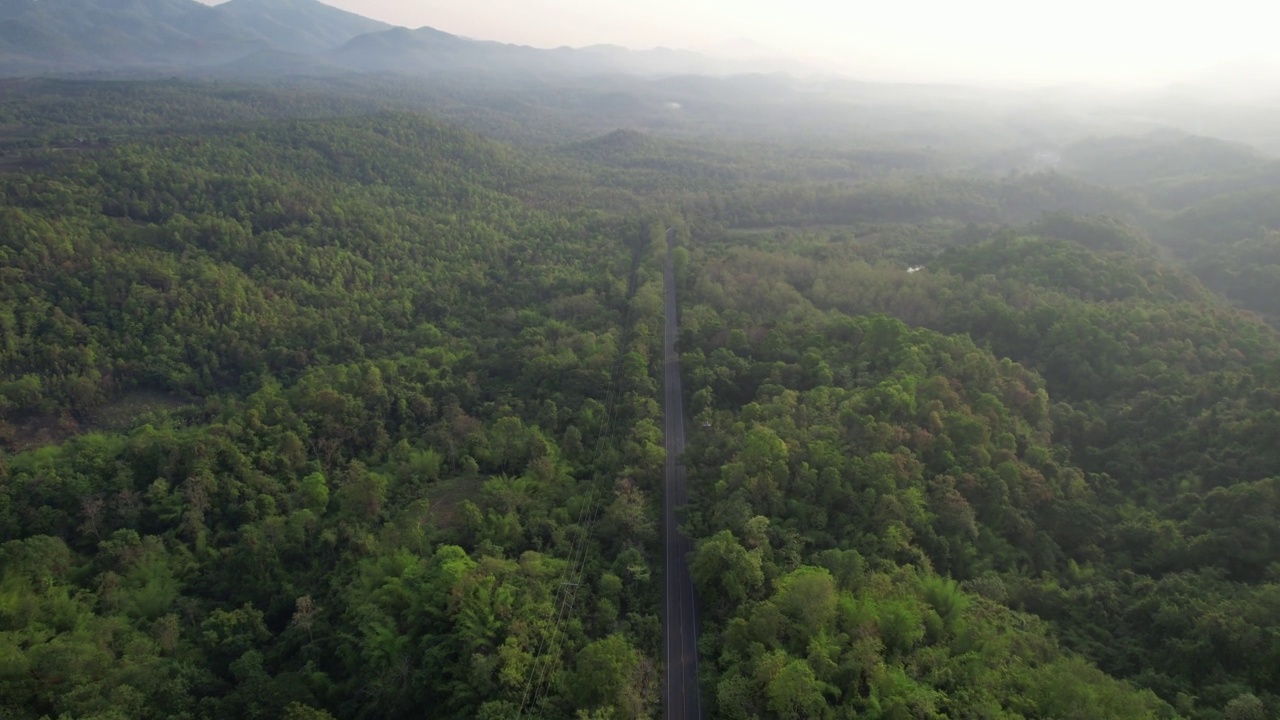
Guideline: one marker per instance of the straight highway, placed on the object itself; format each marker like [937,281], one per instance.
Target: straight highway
[681,693]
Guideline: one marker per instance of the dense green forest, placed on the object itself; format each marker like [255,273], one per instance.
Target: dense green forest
[309,414]
[313,405]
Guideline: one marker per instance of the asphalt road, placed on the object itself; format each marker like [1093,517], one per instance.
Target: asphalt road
[680,694]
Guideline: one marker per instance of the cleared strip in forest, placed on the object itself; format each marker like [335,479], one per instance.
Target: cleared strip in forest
[546,659]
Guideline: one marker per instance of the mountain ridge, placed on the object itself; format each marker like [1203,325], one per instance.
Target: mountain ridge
[76,36]
[92,35]
[301,25]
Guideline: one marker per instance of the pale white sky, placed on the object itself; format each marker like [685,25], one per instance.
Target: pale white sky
[1116,41]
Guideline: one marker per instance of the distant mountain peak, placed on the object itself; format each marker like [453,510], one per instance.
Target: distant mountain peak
[74,35]
[294,5]
[271,3]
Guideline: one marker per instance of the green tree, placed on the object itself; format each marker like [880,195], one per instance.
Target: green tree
[725,571]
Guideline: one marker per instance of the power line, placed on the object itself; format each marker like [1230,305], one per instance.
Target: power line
[578,549]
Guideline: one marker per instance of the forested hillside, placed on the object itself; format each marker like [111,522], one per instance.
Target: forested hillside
[1214,204]
[1116,479]
[313,405]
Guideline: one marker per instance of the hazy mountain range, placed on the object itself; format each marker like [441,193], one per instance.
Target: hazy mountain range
[287,37]
[497,85]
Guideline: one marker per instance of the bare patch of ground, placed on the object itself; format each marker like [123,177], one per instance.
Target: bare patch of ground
[116,415]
